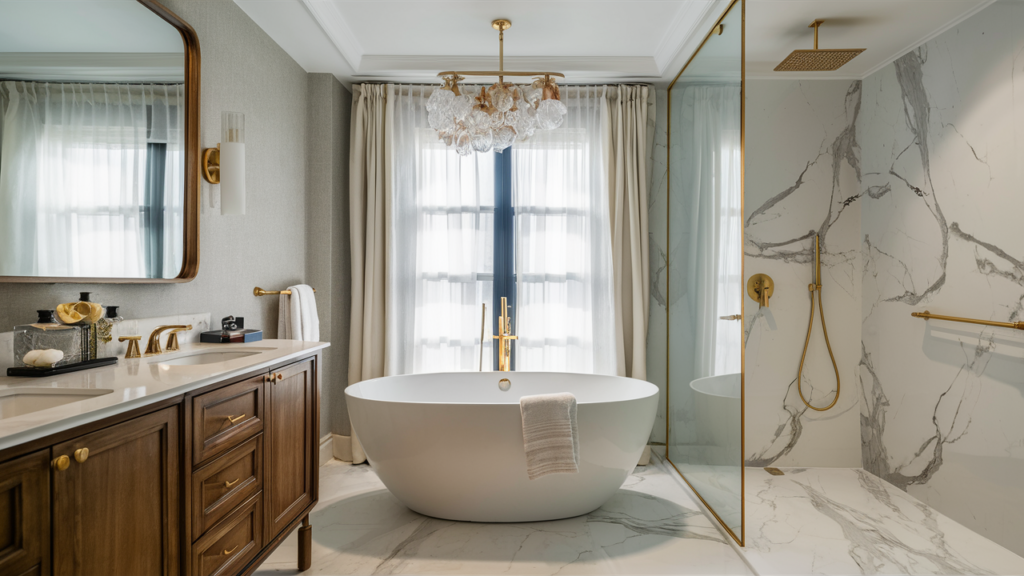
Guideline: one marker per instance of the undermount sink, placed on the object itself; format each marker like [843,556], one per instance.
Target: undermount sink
[210,357]
[17,401]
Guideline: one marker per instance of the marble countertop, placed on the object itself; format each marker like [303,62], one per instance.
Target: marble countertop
[137,382]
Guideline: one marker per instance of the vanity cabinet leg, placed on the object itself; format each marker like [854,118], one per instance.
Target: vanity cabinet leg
[305,545]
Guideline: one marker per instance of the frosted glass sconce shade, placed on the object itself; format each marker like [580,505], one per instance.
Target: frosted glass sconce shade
[225,164]
[232,163]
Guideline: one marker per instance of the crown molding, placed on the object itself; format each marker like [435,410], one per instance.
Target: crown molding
[643,66]
[678,33]
[94,66]
[334,25]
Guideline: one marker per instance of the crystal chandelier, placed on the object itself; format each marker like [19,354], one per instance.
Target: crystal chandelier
[500,114]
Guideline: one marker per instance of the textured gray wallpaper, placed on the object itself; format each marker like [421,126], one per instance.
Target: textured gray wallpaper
[243,70]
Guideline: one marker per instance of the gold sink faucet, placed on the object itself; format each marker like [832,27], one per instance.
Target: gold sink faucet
[504,338]
[153,347]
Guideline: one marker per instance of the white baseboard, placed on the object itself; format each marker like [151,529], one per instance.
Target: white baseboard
[326,449]
[342,446]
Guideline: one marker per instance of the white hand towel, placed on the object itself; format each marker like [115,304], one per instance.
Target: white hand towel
[297,315]
[550,436]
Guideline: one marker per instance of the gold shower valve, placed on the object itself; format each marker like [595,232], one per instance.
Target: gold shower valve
[760,288]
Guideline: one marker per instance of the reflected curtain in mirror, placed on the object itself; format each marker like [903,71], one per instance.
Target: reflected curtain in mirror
[90,179]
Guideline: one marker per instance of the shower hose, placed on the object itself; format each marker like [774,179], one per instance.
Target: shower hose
[816,287]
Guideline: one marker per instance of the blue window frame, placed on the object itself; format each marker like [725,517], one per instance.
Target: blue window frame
[504,245]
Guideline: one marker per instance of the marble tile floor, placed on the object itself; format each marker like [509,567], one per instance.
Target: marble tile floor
[651,526]
[848,521]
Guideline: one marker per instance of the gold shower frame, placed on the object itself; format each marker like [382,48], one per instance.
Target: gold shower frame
[715,30]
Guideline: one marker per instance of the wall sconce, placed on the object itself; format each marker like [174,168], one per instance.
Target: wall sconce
[225,164]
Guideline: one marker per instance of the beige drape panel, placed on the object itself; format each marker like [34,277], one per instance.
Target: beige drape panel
[627,181]
[368,207]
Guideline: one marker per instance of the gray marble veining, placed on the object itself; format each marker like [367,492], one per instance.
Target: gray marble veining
[651,526]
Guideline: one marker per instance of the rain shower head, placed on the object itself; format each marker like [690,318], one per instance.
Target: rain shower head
[817,60]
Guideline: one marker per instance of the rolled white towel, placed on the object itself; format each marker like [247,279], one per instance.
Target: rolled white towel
[550,436]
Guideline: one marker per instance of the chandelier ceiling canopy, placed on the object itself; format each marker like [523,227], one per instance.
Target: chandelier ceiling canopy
[500,114]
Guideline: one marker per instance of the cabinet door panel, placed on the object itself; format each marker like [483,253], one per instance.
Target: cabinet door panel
[25,514]
[117,512]
[290,463]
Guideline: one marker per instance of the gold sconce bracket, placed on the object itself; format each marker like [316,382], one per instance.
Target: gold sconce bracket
[211,164]
[760,288]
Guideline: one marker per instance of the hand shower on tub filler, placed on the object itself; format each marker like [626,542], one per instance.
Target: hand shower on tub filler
[812,288]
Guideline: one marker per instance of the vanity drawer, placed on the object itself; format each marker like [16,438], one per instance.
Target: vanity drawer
[225,483]
[232,543]
[226,417]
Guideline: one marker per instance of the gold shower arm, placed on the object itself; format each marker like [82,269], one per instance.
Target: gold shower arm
[928,315]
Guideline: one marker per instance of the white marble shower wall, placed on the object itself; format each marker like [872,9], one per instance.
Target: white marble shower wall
[802,172]
[942,138]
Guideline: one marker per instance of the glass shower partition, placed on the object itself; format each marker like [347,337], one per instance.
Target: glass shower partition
[705,308]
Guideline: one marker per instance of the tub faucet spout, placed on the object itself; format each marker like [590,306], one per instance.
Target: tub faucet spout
[504,338]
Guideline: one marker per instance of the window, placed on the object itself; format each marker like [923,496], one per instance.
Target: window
[530,224]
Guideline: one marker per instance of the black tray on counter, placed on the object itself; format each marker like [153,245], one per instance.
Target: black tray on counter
[43,372]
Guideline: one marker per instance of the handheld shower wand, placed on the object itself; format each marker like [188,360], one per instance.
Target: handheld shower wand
[816,286]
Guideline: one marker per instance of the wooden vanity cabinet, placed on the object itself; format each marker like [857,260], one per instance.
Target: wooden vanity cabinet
[25,515]
[208,483]
[291,445]
[115,507]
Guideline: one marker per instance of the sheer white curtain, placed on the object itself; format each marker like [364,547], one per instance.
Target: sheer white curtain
[440,253]
[710,141]
[564,275]
[91,179]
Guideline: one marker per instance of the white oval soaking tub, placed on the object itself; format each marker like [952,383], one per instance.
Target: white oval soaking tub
[450,445]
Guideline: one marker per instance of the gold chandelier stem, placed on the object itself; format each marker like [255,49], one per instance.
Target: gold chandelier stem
[501,56]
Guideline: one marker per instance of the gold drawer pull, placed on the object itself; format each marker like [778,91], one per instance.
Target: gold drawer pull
[279,376]
[81,454]
[232,551]
[235,419]
[232,483]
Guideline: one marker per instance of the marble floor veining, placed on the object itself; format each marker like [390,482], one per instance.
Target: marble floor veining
[821,521]
[849,521]
[651,526]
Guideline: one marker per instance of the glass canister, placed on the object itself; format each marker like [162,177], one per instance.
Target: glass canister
[47,334]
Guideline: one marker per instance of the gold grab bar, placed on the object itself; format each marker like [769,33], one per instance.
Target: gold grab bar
[926,315]
[257,291]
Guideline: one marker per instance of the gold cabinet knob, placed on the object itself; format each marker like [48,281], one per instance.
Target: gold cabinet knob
[279,376]
[61,463]
[81,455]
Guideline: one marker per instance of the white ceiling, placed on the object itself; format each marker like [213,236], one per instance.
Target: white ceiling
[589,40]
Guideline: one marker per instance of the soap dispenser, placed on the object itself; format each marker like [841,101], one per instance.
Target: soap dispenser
[105,330]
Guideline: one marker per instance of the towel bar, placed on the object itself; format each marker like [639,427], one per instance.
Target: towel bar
[926,315]
[257,291]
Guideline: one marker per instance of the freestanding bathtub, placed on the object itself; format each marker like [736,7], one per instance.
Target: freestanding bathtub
[450,445]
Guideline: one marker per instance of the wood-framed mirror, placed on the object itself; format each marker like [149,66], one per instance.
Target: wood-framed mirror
[99,143]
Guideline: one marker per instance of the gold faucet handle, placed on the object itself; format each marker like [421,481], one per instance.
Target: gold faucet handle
[172,339]
[133,346]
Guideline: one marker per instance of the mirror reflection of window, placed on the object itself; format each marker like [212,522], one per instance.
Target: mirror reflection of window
[92,159]
[85,174]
